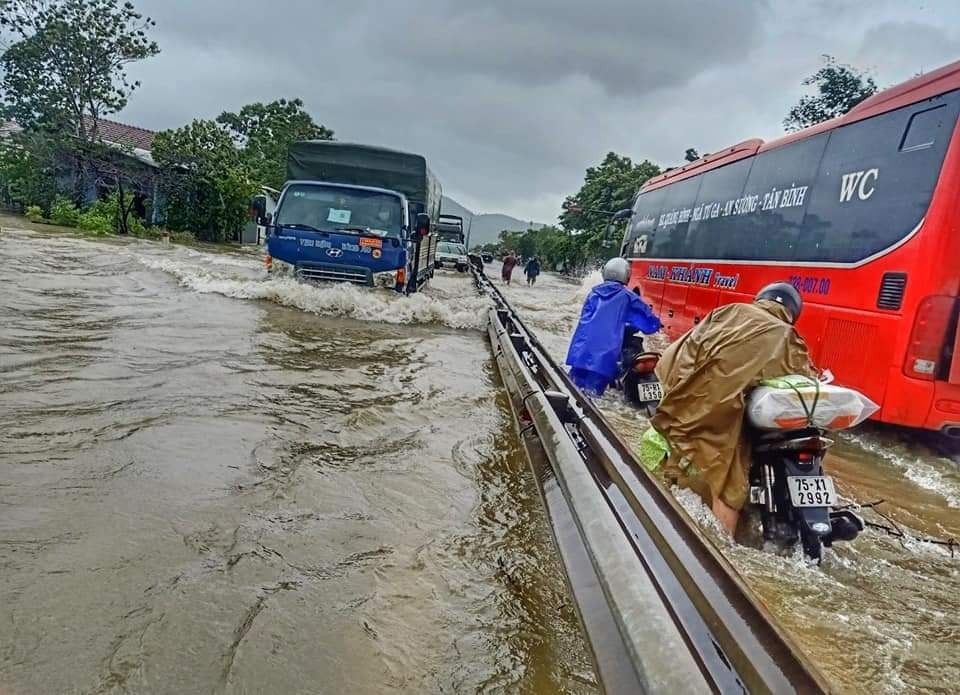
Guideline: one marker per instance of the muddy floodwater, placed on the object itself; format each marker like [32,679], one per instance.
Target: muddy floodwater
[216,481]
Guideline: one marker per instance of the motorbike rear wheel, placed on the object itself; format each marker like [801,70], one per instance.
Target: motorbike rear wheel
[812,545]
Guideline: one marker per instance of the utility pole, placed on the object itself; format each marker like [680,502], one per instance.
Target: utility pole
[469,227]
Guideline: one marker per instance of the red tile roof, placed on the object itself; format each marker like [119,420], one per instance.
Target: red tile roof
[123,134]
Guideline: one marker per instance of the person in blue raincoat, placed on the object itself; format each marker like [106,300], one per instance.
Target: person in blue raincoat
[594,353]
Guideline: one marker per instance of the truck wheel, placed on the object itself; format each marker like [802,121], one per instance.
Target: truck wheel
[461,268]
[437,264]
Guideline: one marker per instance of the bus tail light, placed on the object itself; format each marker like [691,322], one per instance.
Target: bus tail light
[925,351]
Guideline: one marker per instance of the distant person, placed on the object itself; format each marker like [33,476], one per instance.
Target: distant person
[509,263]
[532,270]
[594,354]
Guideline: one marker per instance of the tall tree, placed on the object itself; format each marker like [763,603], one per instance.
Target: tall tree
[265,131]
[607,188]
[66,64]
[839,88]
[205,182]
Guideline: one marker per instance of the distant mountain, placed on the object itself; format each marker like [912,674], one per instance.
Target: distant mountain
[486,227]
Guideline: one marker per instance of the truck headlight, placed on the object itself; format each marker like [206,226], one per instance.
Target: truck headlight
[385,279]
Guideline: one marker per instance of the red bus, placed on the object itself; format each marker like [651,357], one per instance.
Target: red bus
[861,214]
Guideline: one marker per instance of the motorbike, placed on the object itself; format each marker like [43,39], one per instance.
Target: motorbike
[637,379]
[795,499]
[788,487]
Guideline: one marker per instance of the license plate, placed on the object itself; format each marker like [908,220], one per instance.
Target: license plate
[811,491]
[651,391]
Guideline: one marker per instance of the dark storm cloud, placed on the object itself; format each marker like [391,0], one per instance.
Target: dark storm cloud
[512,99]
[626,46]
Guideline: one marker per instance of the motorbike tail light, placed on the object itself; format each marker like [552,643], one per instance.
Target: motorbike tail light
[791,423]
[805,456]
[645,365]
[841,422]
[925,350]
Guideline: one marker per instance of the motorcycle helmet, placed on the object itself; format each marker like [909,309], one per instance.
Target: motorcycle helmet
[617,269]
[785,294]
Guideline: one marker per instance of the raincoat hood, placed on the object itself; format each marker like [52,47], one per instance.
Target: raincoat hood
[608,310]
[607,289]
[705,376]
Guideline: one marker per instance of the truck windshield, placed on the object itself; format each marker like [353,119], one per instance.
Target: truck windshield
[335,208]
[452,249]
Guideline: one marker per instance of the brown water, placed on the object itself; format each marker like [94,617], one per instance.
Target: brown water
[200,493]
[212,481]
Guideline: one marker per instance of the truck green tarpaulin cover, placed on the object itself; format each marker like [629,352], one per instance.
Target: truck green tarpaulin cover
[360,165]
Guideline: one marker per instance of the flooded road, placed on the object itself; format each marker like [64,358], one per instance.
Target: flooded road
[879,616]
[212,481]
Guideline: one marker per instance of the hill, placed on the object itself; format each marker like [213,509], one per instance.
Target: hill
[485,227]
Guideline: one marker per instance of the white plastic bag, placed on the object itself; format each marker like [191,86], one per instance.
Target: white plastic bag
[794,402]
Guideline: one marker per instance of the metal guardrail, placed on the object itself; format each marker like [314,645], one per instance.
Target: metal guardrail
[662,610]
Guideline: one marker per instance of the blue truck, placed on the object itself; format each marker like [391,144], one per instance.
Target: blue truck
[355,213]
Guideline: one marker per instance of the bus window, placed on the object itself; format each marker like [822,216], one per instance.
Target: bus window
[669,241]
[869,193]
[924,129]
[778,185]
[710,234]
[643,224]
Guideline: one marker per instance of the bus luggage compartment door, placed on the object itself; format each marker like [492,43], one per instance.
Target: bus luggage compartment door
[673,309]
[701,300]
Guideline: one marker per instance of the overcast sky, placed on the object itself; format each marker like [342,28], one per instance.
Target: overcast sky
[510,100]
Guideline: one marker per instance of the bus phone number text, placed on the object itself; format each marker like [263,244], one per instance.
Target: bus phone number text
[810,285]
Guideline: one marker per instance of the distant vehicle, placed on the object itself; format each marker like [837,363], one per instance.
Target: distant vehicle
[487,257]
[859,213]
[450,228]
[357,214]
[452,255]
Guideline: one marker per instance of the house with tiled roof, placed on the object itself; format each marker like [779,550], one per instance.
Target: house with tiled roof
[133,145]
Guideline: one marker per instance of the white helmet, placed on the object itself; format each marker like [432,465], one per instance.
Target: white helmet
[617,269]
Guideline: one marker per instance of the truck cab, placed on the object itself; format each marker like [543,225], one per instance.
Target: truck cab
[334,223]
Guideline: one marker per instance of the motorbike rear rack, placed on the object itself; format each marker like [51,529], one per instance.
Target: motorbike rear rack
[663,611]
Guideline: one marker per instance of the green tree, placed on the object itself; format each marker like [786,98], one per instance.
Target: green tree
[691,155]
[66,65]
[28,170]
[63,69]
[206,185]
[607,188]
[839,88]
[264,133]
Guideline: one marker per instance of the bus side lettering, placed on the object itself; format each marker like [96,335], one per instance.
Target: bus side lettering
[856,181]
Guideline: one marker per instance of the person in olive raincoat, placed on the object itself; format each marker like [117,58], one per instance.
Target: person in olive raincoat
[706,375]
[594,354]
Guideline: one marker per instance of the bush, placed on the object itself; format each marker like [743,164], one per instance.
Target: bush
[93,220]
[101,216]
[64,212]
[34,213]
[141,231]
[183,238]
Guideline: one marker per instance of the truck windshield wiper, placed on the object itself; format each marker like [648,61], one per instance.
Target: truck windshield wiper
[300,225]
